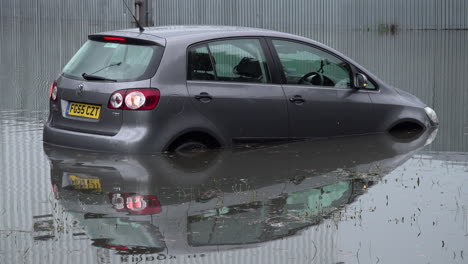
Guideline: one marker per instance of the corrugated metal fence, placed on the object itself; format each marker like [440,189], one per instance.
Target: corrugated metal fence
[38,37]
[304,16]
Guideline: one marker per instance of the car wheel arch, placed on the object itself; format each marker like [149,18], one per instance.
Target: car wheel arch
[204,135]
[407,124]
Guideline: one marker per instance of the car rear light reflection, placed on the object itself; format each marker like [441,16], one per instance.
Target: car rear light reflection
[117,247]
[118,201]
[135,204]
[53,91]
[134,99]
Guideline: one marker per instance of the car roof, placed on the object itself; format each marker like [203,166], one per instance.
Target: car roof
[196,33]
[194,30]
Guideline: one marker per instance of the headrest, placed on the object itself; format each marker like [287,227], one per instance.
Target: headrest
[200,62]
[248,67]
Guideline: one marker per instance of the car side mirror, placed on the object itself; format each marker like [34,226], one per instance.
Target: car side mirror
[360,81]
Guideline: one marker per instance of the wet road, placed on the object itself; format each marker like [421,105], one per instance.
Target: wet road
[367,199]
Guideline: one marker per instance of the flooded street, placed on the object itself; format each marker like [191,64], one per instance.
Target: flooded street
[363,199]
[346,200]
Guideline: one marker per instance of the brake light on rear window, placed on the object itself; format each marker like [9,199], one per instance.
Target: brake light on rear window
[53,91]
[114,38]
[134,99]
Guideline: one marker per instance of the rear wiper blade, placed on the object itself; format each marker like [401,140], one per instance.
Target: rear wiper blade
[96,77]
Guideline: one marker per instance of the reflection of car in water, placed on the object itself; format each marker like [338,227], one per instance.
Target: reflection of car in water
[223,199]
[277,217]
[121,234]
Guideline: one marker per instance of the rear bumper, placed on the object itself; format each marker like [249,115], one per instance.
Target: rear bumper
[128,140]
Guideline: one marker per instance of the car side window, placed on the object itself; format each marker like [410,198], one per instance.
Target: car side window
[306,65]
[199,64]
[234,60]
[371,85]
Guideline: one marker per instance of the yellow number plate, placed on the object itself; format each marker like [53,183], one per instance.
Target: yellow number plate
[84,110]
[79,183]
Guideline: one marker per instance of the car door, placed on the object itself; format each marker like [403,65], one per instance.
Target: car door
[357,115]
[229,83]
[318,85]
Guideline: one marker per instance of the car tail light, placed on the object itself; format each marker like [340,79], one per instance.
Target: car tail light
[135,204]
[134,99]
[53,91]
[116,100]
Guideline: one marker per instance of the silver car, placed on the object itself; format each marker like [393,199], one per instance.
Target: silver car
[175,88]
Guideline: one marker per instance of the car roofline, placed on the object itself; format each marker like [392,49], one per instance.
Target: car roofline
[192,34]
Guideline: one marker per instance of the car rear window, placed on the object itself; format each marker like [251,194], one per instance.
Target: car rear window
[116,61]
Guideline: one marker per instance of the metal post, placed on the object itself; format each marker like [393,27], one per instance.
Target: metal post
[143,12]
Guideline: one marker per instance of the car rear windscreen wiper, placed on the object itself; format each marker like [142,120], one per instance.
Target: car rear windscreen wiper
[96,77]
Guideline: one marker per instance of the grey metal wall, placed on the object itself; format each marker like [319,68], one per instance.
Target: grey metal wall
[304,16]
[37,37]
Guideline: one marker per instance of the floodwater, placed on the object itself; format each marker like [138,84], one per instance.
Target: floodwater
[366,199]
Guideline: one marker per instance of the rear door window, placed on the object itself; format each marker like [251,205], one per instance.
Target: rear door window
[117,61]
[199,63]
[234,60]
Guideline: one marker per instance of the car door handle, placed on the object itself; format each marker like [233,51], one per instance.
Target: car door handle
[204,97]
[297,99]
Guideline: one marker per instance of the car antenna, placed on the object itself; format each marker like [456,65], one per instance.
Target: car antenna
[136,20]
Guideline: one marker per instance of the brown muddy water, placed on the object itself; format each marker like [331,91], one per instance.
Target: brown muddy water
[367,199]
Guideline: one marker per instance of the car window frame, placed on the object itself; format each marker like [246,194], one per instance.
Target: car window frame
[272,69]
[353,68]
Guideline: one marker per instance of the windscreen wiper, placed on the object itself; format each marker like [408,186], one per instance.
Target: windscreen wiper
[96,77]
[108,66]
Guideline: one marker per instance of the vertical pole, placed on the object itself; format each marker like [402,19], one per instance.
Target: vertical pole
[143,12]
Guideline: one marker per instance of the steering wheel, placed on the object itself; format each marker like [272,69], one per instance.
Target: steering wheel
[317,78]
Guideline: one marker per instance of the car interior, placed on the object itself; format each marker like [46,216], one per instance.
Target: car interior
[247,70]
[229,62]
[240,63]
[201,67]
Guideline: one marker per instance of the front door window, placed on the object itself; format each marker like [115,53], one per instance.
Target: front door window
[306,65]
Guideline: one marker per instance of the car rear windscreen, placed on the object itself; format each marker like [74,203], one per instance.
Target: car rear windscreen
[115,61]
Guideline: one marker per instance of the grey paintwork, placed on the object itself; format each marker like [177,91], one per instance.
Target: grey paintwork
[238,111]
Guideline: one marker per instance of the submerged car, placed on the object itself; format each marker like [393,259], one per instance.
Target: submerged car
[173,88]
